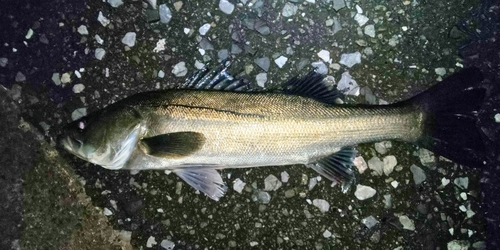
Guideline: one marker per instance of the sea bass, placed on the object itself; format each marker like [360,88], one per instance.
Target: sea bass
[215,121]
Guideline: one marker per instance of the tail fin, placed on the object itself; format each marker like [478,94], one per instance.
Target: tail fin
[450,124]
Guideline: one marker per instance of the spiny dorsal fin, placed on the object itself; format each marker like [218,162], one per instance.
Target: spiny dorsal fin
[312,86]
[217,79]
[173,145]
[337,167]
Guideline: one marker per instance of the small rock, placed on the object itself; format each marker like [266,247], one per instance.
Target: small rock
[262,197]
[462,182]
[66,78]
[364,192]
[383,146]
[226,7]
[56,78]
[102,19]
[324,55]
[418,174]
[458,245]
[166,244]
[426,157]
[280,61]
[29,34]
[337,26]
[312,183]
[178,5]
[320,67]
[387,201]
[347,85]
[370,30]
[223,54]
[235,49]
[15,92]
[78,88]
[327,234]
[78,113]
[115,3]
[151,242]
[350,59]
[98,39]
[160,45]
[129,39]
[289,9]
[440,71]
[376,165]
[407,223]
[360,164]
[180,69]
[289,193]
[284,177]
[3,61]
[205,44]
[369,221]
[99,53]
[497,118]
[322,205]
[261,79]
[204,29]
[20,77]
[338,5]
[263,63]
[389,163]
[83,30]
[161,74]
[361,19]
[238,185]
[153,3]
[165,13]
[271,183]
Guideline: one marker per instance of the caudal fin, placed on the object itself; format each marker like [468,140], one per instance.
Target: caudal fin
[450,122]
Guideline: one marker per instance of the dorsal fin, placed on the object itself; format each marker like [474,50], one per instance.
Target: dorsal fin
[312,86]
[217,79]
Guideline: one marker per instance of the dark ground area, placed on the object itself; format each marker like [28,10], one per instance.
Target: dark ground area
[51,200]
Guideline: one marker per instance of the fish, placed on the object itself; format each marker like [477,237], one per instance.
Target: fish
[216,121]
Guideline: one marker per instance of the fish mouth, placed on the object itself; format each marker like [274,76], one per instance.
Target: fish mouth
[77,148]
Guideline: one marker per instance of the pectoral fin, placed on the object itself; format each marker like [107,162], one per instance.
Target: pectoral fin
[337,167]
[206,180]
[173,145]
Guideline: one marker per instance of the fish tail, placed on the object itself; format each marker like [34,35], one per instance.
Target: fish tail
[453,112]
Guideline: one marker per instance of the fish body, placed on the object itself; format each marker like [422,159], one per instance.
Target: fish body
[196,131]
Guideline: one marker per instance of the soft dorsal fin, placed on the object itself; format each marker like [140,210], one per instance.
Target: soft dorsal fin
[173,145]
[312,86]
[337,167]
[217,79]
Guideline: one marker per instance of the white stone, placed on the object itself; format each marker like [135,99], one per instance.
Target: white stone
[115,3]
[99,53]
[327,234]
[165,13]
[102,19]
[383,146]
[129,39]
[364,192]
[462,182]
[78,88]
[350,59]
[180,69]
[445,181]
[151,242]
[29,34]
[360,164]
[320,67]
[407,223]
[271,183]
[56,78]
[369,221]
[254,243]
[394,184]
[204,29]
[226,7]
[261,79]
[312,183]
[166,244]
[321,204]
[161,74]
[458,245]
[389,163]
[153,3]
[107,212]
[82,29]
[66,78]
[284,177]
[324,55]
[3,61]
[497,118]
[199,65]
[440,71]
[370,30]
[418,174]
[376,165]
[358,9]
[98,39]
[187,30]
[160,45]
[361,19]
[347,85]
[280,61]
[238,185]
[289,9]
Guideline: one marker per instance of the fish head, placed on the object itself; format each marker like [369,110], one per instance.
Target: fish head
[107,137]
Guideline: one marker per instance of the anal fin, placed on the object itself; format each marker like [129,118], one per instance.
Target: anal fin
[337,167]
[205,179]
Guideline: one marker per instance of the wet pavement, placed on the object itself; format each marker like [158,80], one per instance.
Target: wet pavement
[62,59]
